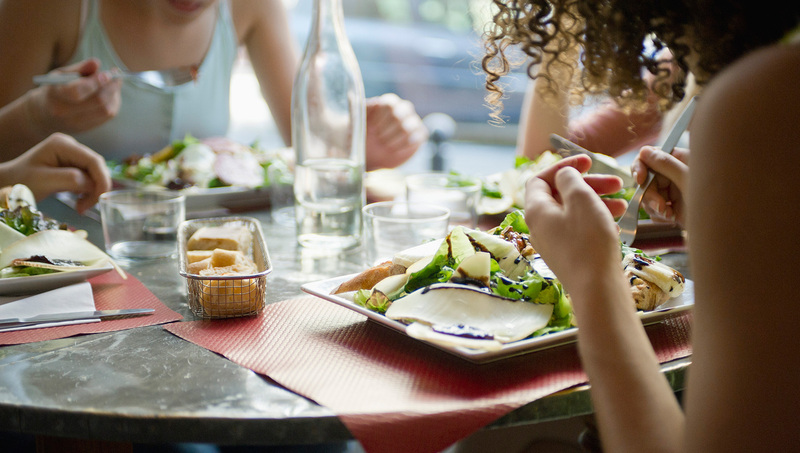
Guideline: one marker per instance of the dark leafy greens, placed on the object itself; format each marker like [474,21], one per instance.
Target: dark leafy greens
[529,286]
[28,221]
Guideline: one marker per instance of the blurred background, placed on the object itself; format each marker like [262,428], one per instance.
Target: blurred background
[426,51]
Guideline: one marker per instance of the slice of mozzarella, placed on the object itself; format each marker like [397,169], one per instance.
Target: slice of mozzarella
[445,304]
[426,333]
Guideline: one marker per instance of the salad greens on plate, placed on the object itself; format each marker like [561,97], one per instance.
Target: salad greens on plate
[489,264]
[205,164]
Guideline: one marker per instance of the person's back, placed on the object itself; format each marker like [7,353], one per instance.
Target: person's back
[744,197]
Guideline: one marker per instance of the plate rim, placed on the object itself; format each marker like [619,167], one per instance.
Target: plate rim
[8,285]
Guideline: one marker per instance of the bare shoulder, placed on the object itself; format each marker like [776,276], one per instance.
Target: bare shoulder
[41,13]
[249,15]
[42,23]
[762,86]
[753,105]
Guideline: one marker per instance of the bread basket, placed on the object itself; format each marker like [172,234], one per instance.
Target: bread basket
[226,296]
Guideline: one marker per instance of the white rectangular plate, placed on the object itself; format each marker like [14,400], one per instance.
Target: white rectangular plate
[673,307]
[15,286]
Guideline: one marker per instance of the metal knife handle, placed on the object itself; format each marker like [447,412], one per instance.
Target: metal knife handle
[71,316]
[679,127]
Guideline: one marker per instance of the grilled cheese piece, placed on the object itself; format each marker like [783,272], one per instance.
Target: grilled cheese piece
[652,282]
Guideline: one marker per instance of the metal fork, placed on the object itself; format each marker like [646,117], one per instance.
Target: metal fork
[629,222]
[160,79]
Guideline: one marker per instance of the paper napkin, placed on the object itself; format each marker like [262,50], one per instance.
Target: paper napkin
[76,297]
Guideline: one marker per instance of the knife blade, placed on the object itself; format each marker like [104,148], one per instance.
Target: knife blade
[600,162]
[71,316]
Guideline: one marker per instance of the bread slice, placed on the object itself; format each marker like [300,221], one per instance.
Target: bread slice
[371,276]
[222,237]
[193,256]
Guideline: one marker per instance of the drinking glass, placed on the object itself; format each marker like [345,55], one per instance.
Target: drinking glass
[393,226]
[140,224]
[457,193]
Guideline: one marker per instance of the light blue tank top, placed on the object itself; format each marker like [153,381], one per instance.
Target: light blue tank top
[150,118]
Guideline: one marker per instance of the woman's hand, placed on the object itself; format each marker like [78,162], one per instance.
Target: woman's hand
[571,226]
[394,131]
[57,164]
[76,106]
[664,200]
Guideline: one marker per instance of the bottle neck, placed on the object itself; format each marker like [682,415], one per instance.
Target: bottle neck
[328,19]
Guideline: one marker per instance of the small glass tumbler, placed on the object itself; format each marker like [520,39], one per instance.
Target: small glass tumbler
[141,224]
[459,194]
[393,226]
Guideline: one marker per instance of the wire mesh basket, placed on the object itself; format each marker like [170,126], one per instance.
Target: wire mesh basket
[226,296]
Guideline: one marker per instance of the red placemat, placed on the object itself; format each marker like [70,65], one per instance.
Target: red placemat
[395,393]
[111,292]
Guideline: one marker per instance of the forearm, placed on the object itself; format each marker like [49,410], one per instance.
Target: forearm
[18,128]
[544,113]
[635,406]
[609,130]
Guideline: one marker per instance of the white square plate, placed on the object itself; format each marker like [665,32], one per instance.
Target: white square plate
[671,308]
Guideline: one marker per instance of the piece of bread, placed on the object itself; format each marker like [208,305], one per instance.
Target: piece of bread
[197,266]
[193,256]
[371,276]
[222,237]
[223,258]
[225,298]
[221,262]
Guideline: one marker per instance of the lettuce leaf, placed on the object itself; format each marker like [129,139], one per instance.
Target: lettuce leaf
[516,220]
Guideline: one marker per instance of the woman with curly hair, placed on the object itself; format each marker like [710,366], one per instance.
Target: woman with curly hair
[740,204]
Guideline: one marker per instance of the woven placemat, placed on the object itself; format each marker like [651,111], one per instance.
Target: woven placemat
[394,393]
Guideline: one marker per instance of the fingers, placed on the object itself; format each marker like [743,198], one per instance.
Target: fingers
[79,105]
[70,153]
[600,184]
[580,162]
[582,188]
[670,166]
[604,184]
[573,188]
[84,68]
[60,163]
[91,81]
[664,199]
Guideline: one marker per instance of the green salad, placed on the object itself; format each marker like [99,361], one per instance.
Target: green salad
[205,164]
[21,222]
[510,274]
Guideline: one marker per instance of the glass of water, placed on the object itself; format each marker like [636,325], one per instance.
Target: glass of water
[141,224]
[459,194]
[393,226]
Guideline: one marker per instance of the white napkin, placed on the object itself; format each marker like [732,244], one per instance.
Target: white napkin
[76,297]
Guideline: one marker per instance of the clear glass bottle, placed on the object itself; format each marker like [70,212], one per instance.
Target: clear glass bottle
[328,135]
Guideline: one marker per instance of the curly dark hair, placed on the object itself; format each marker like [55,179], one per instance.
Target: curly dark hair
[611,36]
